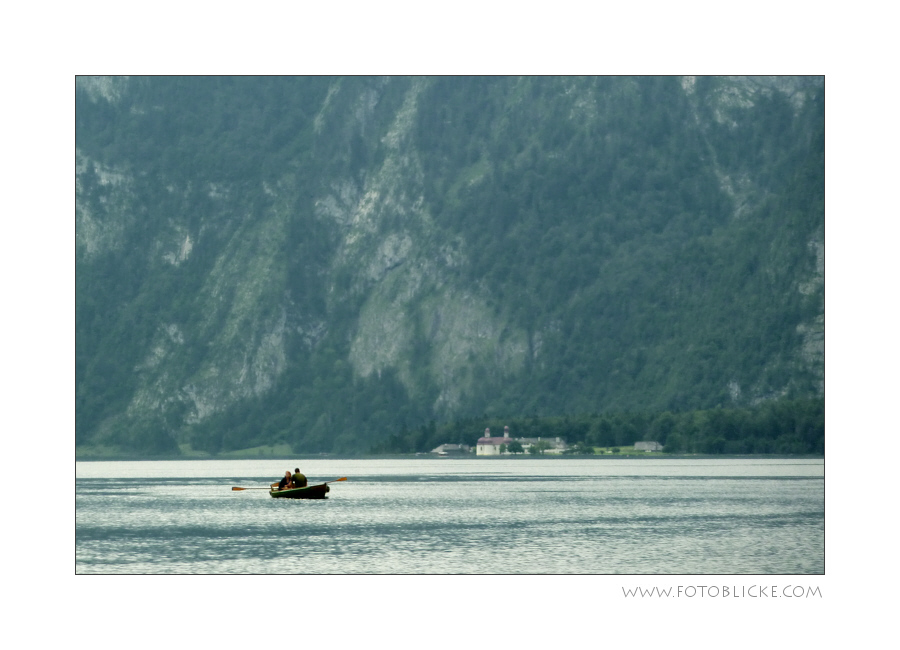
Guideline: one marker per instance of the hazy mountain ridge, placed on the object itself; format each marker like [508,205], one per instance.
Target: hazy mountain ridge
[324,261]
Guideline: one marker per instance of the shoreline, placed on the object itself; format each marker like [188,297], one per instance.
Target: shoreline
[427,456]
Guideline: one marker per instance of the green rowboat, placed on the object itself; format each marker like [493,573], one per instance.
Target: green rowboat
[308,492]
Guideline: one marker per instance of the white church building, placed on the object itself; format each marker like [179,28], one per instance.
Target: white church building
[490,445]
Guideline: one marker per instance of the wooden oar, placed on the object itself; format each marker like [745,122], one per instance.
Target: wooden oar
[236,489]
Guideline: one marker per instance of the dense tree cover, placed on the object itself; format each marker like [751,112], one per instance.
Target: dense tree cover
[643,247]
[650,242]
[775,427]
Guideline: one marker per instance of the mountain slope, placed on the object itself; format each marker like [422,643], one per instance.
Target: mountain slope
[324,261]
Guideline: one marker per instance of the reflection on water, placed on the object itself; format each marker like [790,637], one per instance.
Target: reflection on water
[668,516]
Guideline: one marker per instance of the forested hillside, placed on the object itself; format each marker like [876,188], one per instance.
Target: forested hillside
[328,262]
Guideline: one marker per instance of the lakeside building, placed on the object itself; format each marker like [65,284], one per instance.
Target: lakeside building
[451,450]
[557,445]
[647,446]
[490,445]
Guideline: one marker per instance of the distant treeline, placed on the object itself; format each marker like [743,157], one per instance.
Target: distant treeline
[776,427]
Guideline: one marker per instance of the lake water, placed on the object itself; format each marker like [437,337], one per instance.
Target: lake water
[455,516]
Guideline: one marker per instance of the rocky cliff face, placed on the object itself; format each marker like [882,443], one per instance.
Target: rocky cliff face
[339,284]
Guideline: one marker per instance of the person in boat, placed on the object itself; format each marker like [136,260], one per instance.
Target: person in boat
[298,479]
[286,483]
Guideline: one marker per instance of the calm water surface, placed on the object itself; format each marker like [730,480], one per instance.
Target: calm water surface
[440,516]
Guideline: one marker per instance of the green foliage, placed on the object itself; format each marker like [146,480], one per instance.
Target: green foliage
[650,242]
[581,448]
[539,447]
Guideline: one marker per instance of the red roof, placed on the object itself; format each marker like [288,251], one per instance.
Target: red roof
[494,441]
